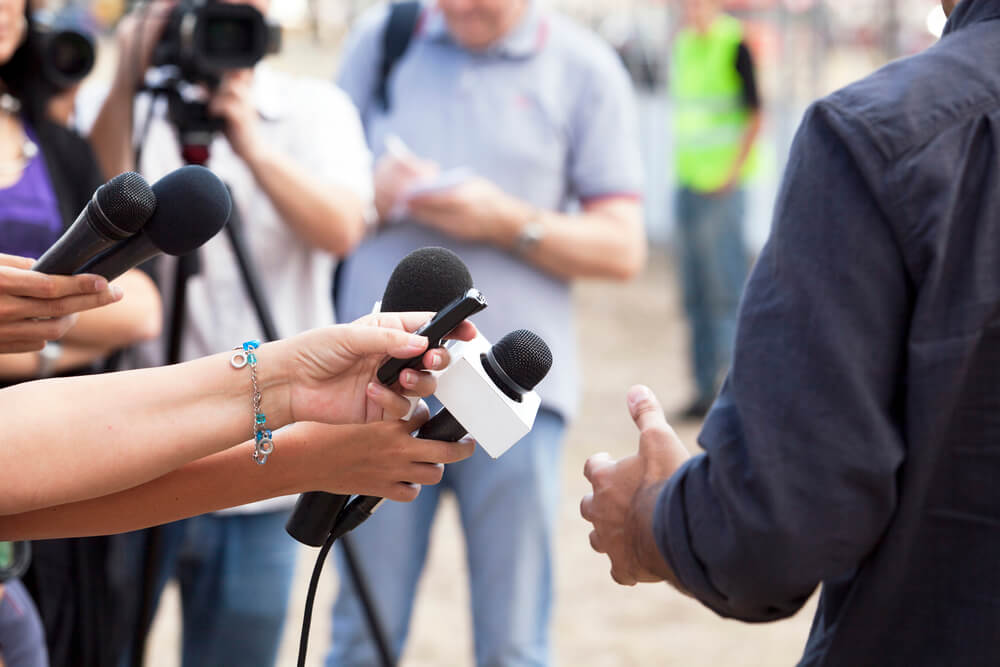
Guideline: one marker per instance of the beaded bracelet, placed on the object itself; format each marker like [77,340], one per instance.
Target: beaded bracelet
[263,445]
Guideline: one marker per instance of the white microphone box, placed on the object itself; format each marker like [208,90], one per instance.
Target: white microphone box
[494,419]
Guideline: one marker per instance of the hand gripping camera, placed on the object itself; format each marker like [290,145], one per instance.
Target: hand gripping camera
[202,40]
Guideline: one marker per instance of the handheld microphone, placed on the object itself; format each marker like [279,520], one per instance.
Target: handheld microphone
[515,364]
[518,362]
[118,210]
[428,279]
[192,206]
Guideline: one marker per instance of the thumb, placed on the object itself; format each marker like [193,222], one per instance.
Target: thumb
[363,341]
[658,444]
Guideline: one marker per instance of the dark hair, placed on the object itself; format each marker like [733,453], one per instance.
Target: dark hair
[22,73]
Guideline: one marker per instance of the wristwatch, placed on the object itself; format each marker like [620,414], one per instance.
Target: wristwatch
[47,358]
[530,235]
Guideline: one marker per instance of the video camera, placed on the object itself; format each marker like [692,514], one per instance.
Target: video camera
[205,39]
[65,50]
[202,40]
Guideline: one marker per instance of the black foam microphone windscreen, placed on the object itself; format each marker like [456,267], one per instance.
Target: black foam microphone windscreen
[427,279]
[192,206]
[118,209]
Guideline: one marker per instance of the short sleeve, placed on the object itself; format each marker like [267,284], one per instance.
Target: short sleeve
[604,153]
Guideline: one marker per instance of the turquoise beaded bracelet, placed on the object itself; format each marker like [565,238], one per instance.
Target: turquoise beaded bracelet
[263,444]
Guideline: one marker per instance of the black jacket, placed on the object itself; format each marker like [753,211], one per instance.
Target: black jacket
[856,443]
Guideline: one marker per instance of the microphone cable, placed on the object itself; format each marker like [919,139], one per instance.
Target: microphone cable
[367,604]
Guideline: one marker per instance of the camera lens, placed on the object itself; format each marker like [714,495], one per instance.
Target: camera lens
[71,55]
[226,37]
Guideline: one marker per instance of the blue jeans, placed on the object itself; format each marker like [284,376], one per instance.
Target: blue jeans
[714,266]
[22,639]
[508,508]
[235,572]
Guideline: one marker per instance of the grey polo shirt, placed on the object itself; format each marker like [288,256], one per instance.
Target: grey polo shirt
[547,114]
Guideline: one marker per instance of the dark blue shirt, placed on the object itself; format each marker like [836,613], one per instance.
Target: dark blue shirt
[856,443]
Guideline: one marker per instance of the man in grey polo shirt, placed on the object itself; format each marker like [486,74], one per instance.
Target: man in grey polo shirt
[503,118]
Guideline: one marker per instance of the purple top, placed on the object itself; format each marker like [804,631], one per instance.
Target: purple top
[29,213]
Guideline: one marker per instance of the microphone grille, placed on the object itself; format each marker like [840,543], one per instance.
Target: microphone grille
[524,356]
[127,201]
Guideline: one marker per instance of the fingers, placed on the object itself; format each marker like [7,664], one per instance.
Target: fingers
[645,409]
[13,347]
[26,283]
[659,445]
[402,492]
[16,261]
[417,383]
[37,330]
[595,463]
[364,341]
[393,405]
[587,507]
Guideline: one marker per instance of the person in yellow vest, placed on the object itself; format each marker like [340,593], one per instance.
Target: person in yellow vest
[717,117]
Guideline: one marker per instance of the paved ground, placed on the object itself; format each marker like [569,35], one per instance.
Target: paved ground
[629,333]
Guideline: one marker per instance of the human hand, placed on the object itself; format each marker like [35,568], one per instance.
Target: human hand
[137,34]
[331,371]
[625,493]
[232,101]
[37,307]
[476,210]
[382,460]
[395,173]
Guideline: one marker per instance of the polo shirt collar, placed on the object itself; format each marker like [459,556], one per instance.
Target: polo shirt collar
[968,12]
[524,40]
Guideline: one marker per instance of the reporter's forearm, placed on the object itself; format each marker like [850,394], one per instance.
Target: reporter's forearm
[226,479]
[166,418]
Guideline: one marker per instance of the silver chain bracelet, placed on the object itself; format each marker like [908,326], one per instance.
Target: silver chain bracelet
[263,444]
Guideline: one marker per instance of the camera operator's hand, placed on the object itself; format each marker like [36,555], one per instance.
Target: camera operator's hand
[233,102]
[137,34]
[37,307]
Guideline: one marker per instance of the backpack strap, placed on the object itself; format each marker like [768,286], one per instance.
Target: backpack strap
[399,29]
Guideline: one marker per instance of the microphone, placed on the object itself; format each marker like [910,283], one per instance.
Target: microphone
[518,362]
[515,364]
[118,210]
[192,206]
[428,279]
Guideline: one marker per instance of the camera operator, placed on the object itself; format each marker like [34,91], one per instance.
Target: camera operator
[293,152]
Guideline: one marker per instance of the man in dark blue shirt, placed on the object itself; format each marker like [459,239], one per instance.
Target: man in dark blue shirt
[856,442]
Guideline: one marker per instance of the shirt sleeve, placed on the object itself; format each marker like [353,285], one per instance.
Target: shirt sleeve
[604,147]
[748,74]
[798,479]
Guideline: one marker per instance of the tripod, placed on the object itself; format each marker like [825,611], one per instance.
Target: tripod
[196,131]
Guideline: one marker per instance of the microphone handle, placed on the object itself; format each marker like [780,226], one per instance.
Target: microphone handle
[442,426]
[77,246]
[314,516]
[122,257]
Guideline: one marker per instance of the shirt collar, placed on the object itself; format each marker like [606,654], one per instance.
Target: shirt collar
[524,40]
[968,12]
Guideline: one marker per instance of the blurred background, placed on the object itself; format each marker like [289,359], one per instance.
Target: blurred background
[629,333]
